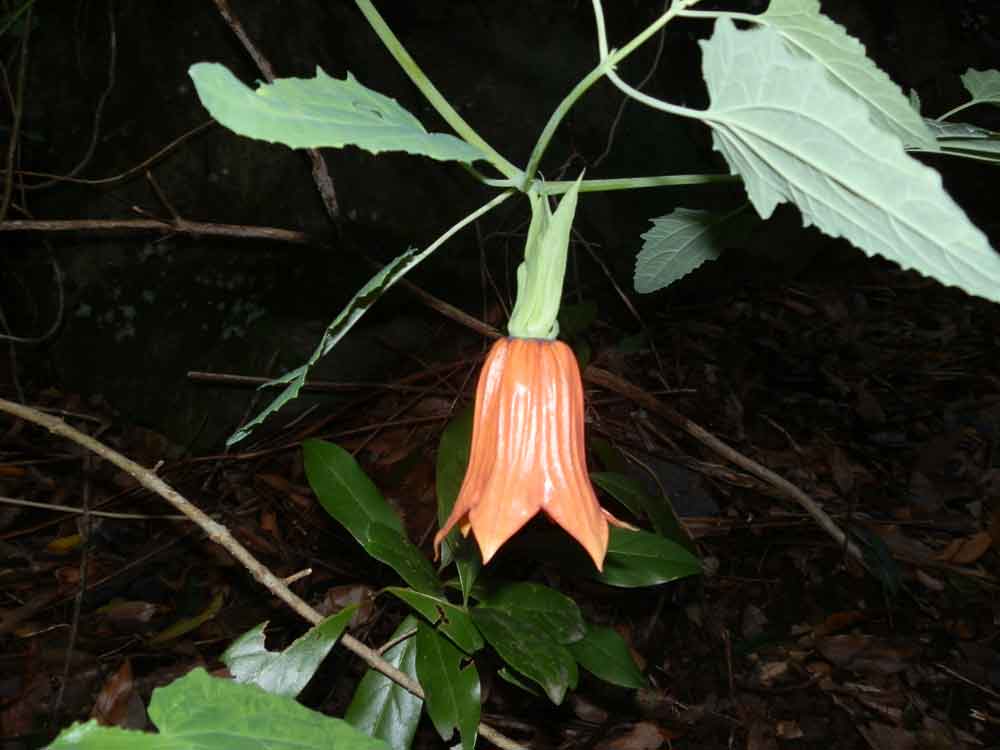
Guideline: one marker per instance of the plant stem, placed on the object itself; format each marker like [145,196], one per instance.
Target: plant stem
[555,187]
[956,110]
[430,92]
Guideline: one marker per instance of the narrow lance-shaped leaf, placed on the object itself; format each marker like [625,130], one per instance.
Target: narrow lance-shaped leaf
[347,494]
[380,283]
[793,135]
[452,463]
[604,653]
[638,558]
[381,708]
[358,306]
[451,686]
[321,112]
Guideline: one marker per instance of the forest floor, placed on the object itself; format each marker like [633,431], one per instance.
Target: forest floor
[877,395]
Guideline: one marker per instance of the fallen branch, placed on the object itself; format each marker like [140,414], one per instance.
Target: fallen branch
[220,535]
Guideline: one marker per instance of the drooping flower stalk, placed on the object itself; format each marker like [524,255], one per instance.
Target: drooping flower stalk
[528,452]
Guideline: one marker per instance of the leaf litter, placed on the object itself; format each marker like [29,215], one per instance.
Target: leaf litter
[879,397]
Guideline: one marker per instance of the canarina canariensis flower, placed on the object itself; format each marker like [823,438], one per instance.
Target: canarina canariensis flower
[528,452]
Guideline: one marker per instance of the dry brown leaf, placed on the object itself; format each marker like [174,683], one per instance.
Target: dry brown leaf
[645,735]
[861,653]
[111,705]
[340,597]
[839,621]
[966,551]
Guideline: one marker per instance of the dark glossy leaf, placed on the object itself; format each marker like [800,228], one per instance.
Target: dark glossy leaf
[639,558]
[609,457]
[200,712]
[451,620]
[381,708]
[285,672]
[509,675]
[630,492]
[553,612]
[575,319]
[529,650]
[347,494]
[451,690]
[604,653]
[452,462]
[345,491]
[624,489]
[400,554]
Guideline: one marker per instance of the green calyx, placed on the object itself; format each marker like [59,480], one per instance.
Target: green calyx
[540,276]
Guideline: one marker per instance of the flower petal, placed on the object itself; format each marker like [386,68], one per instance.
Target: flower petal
[528,452]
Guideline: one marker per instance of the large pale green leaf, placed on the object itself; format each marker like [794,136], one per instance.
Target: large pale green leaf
[347,494]
[794,135]
[451,688]
[812,34]
[638,558]
[604,653]
[381,708]
[199,712]
[285,672]
[983,85]
[453,621]
[529,650]
[684,239]
[551,611]
[321,112]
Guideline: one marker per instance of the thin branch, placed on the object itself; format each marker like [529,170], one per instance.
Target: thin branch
[176,226]
[320,173]
[56,322]
[101,513]
[221,536]
[141,166]
[186,226]
[98,110]
[619,385]
[15,128]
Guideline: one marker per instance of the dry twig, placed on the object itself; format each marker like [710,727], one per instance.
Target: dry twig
[220,535]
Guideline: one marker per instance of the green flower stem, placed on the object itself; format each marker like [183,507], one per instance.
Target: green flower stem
[607,64]
[956,110]
[430,92]
[555,187]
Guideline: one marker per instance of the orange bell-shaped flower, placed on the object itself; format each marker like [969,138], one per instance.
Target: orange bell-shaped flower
[528,451]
